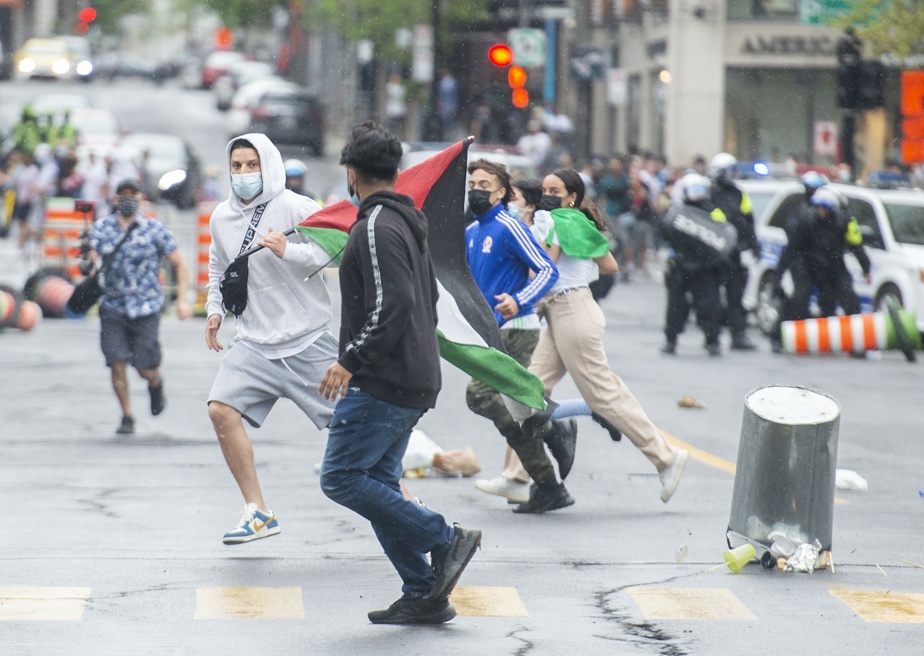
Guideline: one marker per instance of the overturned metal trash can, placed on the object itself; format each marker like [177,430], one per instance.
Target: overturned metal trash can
[787,457]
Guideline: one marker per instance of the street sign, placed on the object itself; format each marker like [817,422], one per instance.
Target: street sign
[825,138]
[587,64]
[821,12]
[616,87]
[528,47]
[422,54]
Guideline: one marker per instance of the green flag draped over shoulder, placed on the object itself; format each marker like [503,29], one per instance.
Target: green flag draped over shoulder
[577,235]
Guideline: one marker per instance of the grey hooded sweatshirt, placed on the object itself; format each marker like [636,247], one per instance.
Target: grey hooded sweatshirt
[285,313]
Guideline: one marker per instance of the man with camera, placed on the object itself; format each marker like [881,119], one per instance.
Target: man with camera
[132,246]
[283,344]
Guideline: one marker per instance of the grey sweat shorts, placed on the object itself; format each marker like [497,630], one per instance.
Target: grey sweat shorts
[251,383]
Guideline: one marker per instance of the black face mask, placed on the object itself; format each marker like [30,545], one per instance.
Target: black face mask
[480,201]
[549,203]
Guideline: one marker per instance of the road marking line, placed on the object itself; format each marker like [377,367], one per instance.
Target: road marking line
[249,603]
[884,605]
[712,460]
[690,604]
[38,604]
[483,601]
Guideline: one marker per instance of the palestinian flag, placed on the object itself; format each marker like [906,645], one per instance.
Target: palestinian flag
[468,334]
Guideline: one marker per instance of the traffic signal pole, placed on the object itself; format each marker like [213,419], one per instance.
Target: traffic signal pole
[848,129]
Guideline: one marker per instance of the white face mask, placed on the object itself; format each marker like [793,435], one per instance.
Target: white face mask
[247,185]
[515,211]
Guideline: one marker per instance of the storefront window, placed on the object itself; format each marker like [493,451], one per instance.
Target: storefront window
[762,9]
[769,115]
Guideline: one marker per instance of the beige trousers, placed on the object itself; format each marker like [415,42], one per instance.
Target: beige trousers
[573,343]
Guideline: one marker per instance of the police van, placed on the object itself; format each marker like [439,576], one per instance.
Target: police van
[892,224]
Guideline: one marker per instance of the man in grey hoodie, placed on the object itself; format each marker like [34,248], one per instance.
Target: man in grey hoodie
[283,344]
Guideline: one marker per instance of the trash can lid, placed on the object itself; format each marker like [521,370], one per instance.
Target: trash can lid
[792,405]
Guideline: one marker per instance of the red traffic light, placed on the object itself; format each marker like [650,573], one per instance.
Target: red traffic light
[520,98]
[81,28]
[516,77]
[500,54]
[87,15]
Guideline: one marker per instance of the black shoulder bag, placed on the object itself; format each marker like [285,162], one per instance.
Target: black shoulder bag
[233,282]
[89,291]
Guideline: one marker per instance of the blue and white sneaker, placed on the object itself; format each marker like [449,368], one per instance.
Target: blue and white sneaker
[253,525]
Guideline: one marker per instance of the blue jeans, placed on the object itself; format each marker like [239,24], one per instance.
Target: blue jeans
[361,470]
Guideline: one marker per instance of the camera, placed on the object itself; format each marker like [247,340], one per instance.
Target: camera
[85,206]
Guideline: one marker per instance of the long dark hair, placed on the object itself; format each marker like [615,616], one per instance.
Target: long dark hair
[574,184]
[531,188]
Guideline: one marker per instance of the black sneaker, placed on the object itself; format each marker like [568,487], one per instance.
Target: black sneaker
[415,611]
[158,400]
[614,432]
[449,564]
[669,348]
[714,350]
[562,441]
[127,427]
[543,498]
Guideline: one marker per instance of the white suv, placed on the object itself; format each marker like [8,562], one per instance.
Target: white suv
[892,225]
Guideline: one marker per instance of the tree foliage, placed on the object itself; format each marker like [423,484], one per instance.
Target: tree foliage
[243,13]
[893,27]
[109,13]
[378,20]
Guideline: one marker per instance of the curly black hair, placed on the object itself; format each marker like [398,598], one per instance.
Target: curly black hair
[372,152]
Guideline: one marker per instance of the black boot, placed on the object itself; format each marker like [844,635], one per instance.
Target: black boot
[561,440]
[543,498]
[615,433]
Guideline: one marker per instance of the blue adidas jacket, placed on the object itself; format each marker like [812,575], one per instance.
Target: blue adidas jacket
[501,253]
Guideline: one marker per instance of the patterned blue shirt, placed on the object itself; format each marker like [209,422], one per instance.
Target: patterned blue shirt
[132,282]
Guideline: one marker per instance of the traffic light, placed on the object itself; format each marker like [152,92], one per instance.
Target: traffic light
[849,59]
[871,92]
[520,98]
[84,17]
[516,77]
[500,55]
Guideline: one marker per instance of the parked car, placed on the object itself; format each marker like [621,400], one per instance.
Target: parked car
[290,117]
[216,65]
[174,171]
[122,63]
[239,74]
[248,96]
[892,225]
[45,58]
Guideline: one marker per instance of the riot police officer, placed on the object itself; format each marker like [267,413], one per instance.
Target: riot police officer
[702,243]
[736,205]
[814,255]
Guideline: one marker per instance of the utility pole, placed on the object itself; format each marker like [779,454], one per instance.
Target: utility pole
[433,129]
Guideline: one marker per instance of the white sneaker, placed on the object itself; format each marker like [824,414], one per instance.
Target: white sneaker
[504,487]
[670,477]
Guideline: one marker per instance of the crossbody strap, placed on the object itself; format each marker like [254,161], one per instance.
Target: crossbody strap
[107,259]
[252,228]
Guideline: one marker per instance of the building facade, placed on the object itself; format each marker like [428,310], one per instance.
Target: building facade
[752,77]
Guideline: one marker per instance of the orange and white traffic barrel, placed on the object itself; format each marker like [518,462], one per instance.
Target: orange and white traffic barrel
[203,242]
[30,314]
[857,333]
[9,307]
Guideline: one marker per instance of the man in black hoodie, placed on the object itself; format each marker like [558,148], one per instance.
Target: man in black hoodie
[387,377]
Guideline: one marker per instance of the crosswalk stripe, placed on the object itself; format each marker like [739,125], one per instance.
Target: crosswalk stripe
[884,605]
[689,604]
[42,604]
[484,601]
[249,603]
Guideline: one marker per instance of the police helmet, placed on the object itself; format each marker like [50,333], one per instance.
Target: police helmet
[695,187]
[722,165]
[295,168]
[827,198]
[812,180]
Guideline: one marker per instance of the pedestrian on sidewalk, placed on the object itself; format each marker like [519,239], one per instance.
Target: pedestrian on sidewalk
[133,297]
[386,377]
[573,342]
[283,343]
